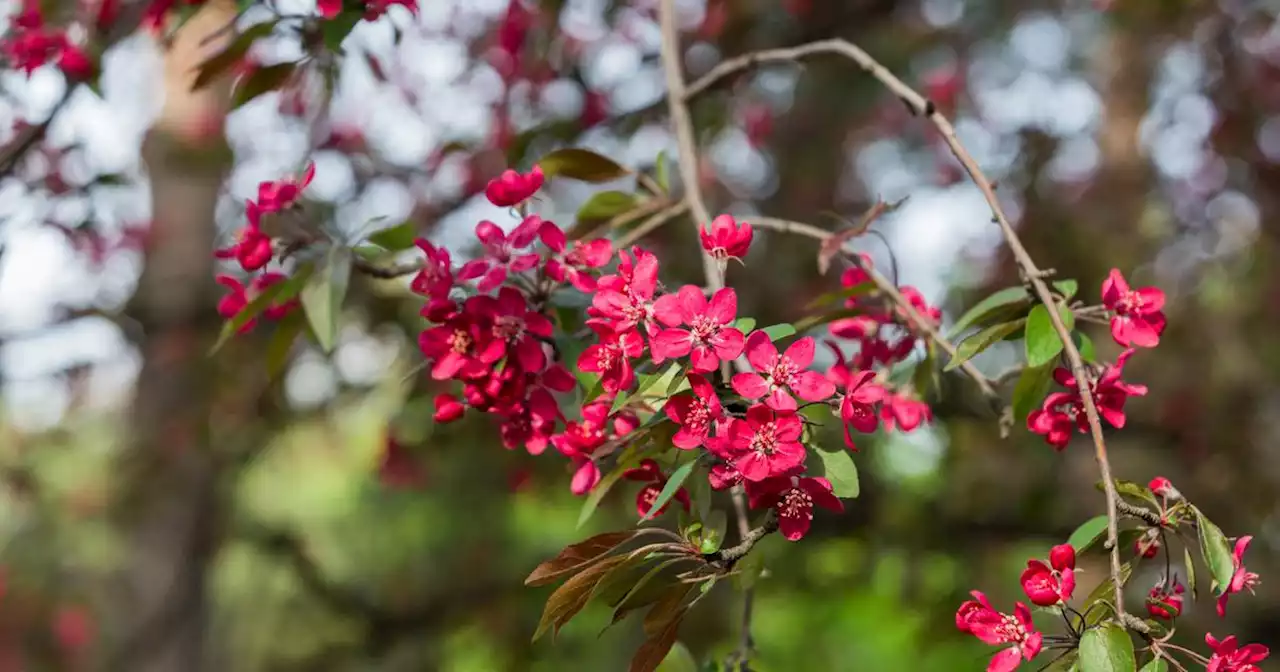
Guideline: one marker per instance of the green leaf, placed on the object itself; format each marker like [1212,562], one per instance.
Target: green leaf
[1085,345]
[335,31]
[1156,665]
[1005,297]
[661,172]
[282,343]
[1030,390]
[396,238]
[1104,592]
[323,295]
[1067,288]
[1107,648]
[778,331]
[1088,533]
[279,292]
[745,325]
[260,81]
[713,529]
[1063,663]
[838,467]
[606,205]
[975,344]
[1131,489]
[669,490]
[1042,342]
[678,659]
[222,61]
[1216,551]
[581,164]
[652,385]
[1190,567]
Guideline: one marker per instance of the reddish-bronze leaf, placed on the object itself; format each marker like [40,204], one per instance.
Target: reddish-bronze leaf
[669,607]
[576,556]
[570,598]
[655,649]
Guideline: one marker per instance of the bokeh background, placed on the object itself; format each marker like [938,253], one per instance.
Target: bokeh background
[166,510]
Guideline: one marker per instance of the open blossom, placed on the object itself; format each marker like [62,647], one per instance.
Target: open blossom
[793,498]
[611,357]
[31,44]
[776,376]
[1138,319]
[858,396]
[1047,585]
[452,348]
[511,187]
[516,330]
[436,277]
[1063,410]
[650,473]
[252,247]
[695,412]
[626,297]
[978,618]
[570,263]
[281,194]
[1164,601]
[501,253]
[726,238]
[1229,656]
[1241,578]
[709,338]
[766,443]
[900,411]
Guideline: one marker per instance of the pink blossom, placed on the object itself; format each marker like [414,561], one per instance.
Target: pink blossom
[282,194]
[500,253]
[1047,585]
[514,329]
[1229,656]
[252,247]
[978,618]
[696,413]
[436,277]
[626,298]
[649,472]
[1241,578]
[1138,319]
[511,188]
[766,443]
[776,377]
[793,498]
[448,408]
[726,238]
[709,338]
[611,357]
[571,263]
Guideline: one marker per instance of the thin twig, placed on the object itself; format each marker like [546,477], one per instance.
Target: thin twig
[918,104]
[918,321]
[649,225]
[688,161]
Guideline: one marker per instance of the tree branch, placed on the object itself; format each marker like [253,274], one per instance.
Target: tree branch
[918,104]
[725,558]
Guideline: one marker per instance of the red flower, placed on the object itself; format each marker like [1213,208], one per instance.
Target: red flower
[611,357]
[775,375]
[709,338]
[858,400]
[1163,488]
[1241,578]
[902,412]
[252,247]
[649,472]
[448,408]
[570,263]
[1228,656]
[436,277]
[981,620]
[696,413]
[1046,586]
[793,498]
[239,296]
[626,298]
[329,8]
[499,251]
[726,238]
[1061,410]
[511,187]
[515,328]
[281,194]
[1165,601]
[1138,318]
[766,444]
[451,348]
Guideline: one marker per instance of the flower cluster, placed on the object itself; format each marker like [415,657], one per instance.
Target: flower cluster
[31,44]
[254,249]
[1013,631]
